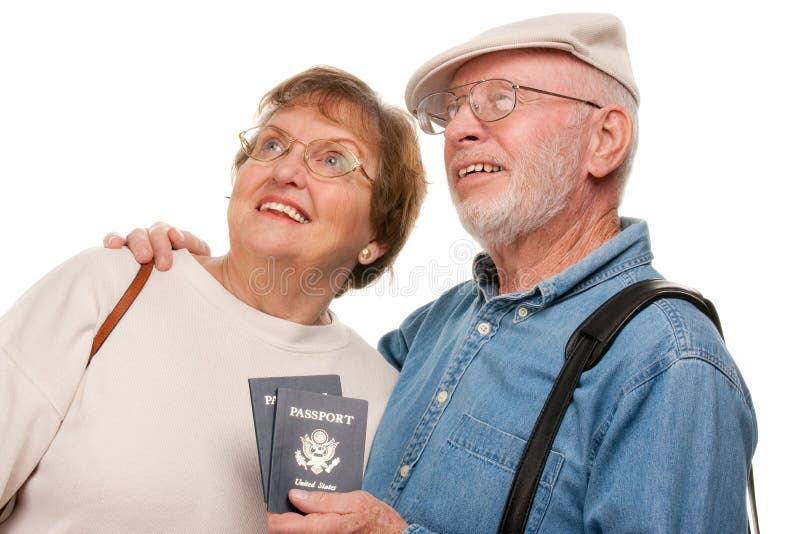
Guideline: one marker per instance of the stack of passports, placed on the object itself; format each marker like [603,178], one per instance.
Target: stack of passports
[309,436]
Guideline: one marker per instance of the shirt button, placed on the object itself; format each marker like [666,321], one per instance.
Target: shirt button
[441,397]
[404,470]
[484,328]
[522,311]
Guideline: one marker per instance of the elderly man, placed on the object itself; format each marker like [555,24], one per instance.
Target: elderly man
[539,123]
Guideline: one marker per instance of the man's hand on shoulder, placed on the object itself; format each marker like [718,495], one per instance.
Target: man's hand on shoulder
[334,513]
[157,242]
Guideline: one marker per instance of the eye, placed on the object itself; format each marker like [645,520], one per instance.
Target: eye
[502,101]
[271,146]
[452,109]
[334,161]
[330,159]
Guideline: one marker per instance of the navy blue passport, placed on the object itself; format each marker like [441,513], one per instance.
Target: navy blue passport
[262,395]
[318,445]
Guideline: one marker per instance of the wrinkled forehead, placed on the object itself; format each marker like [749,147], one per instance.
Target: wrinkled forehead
[341,111]
[528,65]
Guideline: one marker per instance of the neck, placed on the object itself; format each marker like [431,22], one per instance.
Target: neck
[545,252]
[272,288]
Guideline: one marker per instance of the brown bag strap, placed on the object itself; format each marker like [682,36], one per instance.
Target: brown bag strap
[120,309]
[108,325]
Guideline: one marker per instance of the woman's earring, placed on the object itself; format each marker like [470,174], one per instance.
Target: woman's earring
[365,253]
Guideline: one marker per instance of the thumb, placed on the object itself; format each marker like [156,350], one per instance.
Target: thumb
[321,502]
[189,241]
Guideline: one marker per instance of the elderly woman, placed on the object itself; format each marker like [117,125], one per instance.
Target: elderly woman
[156,434]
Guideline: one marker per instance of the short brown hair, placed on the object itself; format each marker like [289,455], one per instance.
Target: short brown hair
[400,183]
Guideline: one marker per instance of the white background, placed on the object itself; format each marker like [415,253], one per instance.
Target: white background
[114,115]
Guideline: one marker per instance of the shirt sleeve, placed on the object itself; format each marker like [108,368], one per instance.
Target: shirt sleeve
[394,345]
[45,339]
[675,454]
[28,422]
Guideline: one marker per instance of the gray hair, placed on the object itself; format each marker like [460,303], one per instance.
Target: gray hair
[599,87]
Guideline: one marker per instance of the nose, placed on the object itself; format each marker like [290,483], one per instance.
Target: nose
[290,168]
[465,126]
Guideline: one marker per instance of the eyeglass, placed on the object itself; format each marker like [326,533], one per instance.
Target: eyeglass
[323,157]
[490,100]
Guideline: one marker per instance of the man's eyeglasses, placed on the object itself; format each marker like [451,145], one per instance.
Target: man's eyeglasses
[323,157]
[490,100]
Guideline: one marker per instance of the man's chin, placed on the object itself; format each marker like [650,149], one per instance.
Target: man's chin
[488,229]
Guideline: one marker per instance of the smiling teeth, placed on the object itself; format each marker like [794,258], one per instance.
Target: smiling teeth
[479,167]
[283,208]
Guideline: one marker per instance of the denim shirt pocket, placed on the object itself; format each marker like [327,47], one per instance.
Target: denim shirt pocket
[475,470]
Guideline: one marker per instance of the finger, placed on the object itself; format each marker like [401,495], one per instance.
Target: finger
[291,523]
[113,240]
[357,511]
[189,241]
[326,502]
[161,244]
[139,242]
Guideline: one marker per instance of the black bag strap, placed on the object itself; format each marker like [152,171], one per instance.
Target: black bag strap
[585,348]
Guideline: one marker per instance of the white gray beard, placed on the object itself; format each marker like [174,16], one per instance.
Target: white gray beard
[530,199]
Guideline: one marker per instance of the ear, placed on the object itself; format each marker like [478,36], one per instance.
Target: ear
[610,141]
[376,250]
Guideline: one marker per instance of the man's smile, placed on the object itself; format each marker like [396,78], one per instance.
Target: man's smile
[478,167]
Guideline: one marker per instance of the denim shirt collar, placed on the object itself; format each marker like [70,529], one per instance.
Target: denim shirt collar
[628,249]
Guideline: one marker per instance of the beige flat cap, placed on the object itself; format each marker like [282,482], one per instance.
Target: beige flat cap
[596,38]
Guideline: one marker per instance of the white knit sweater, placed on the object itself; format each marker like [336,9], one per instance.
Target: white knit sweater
[156,435]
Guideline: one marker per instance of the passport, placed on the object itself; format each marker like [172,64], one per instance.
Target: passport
[318,445]
[262,396]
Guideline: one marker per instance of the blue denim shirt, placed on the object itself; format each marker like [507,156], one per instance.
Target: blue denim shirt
[658,438]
